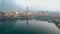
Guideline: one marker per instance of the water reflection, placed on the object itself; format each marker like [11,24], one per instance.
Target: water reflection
[7,24]
[57,23]
[24,27]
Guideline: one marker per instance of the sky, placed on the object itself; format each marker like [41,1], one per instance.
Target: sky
[45,5]
[50,5]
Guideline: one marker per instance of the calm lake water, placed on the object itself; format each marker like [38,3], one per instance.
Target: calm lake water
[33,27]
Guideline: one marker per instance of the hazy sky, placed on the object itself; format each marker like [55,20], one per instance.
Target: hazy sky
[40,4]
[47,5]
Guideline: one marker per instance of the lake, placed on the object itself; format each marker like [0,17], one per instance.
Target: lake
[33,27]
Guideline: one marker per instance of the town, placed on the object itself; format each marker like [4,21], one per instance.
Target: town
[29,13]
